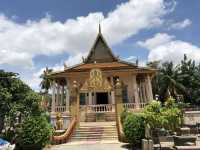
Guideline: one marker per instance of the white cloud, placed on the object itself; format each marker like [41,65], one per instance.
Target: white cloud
[76,59]
[21,42]
[181,25]
[165,47]
[131,59]
[158,39]
[35,77]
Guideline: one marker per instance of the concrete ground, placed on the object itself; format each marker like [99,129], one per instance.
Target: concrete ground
[91,146]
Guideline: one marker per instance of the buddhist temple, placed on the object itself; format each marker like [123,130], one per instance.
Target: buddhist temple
[95,80]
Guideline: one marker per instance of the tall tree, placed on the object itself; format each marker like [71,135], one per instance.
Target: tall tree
[167,83]
[189,76]
[16,98]
[46,81]
[182,79]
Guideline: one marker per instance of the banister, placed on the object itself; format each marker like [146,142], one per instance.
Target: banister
[65,137]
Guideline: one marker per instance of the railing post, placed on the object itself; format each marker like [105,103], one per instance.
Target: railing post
[74,96]
[118,107]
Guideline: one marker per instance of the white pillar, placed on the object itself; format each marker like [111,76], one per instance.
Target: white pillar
[113,100]
[135,91]
[53,97]
[144,93]
[113,97]
[90,98]
[94,98]
[58,95]
[149,88]
[67,95]
[62,95]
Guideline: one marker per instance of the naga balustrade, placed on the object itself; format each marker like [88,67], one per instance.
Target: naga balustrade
[66,136]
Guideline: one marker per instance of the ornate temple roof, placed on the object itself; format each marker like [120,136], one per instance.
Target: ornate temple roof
[100,56]
[100,51]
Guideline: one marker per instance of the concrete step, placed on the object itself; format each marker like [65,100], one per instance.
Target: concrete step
[94,134]
[95,131]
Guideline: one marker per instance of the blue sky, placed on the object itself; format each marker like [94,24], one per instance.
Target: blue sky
[36,34]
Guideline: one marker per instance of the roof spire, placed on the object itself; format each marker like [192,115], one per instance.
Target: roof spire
[99,28]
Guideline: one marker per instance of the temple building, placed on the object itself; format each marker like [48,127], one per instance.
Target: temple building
[95,78]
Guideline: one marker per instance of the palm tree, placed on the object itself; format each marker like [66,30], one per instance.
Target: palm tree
[46,81]
[168,81]
[189,76]
[45,85]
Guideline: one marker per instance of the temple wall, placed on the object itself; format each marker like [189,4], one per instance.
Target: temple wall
[125,77]
[191,117]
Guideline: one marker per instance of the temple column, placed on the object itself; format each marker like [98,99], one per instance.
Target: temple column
[144,93]
[94,100]
[90,98]
[67,96]
[135,91]
[149,88]
[62,95]
[113,100]
[140,92]
[57,94]
[53,97]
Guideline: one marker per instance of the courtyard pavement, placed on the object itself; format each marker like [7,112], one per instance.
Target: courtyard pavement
[91,146]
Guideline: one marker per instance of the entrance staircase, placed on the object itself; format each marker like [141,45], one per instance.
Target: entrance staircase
[90,132]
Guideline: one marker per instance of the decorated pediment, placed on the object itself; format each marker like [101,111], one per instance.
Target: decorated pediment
[96,82]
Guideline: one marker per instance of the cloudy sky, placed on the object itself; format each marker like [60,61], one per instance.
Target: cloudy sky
[35,34]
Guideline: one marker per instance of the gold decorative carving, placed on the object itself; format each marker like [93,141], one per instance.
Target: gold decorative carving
[59,121]
[96,82]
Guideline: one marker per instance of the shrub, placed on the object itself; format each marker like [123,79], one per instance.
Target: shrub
[153,115]
[168,117]
[134,128]
[123,115]
[35,131]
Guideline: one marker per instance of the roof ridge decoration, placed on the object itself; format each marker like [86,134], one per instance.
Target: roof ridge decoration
[100,51]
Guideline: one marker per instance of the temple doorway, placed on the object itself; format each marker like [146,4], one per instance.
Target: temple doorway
[102,98]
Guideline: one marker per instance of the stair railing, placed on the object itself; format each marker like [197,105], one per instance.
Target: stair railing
[66,136]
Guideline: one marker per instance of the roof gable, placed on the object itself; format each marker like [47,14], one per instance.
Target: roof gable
[100,52]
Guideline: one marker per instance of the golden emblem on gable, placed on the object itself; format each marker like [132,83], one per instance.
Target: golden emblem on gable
[96,82]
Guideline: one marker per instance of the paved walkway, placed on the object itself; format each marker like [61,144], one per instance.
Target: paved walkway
[94,146]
